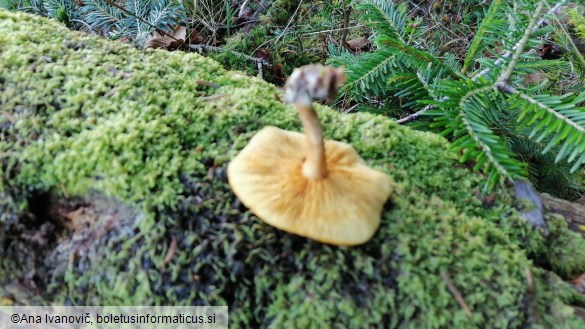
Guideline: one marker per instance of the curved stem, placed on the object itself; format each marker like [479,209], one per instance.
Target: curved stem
[314,166]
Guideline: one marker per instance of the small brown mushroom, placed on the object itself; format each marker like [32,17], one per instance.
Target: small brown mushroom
[303,185]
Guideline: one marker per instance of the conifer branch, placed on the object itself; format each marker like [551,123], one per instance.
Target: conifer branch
[157,29]
[507,54]
[519,47]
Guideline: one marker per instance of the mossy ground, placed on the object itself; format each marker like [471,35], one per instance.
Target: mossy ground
[81,115]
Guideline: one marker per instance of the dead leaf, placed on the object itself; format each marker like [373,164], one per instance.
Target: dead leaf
[579,283]
[170,41]
[262,53]
[124,40]
[446,19]
[278,73]
[78,219]
[195,37]
[535,78]
[358,43]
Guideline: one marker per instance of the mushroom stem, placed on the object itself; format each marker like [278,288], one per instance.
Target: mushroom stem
[314,165]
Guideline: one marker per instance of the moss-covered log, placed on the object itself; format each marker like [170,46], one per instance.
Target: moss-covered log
[134,145]
[572,211]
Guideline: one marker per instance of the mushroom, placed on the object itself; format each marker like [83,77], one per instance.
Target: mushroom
[303,185]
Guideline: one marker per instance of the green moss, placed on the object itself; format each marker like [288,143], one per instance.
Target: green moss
[86,114]
[562,251]
[581,177]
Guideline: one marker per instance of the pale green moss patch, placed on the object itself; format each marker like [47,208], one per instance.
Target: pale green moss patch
[86,114]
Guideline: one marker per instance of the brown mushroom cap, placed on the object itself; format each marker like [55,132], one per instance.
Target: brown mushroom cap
[343,208]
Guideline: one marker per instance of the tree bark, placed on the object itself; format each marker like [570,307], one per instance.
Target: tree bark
[573,212]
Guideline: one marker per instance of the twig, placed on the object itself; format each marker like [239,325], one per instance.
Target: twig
[414,115]
[259,69]
[64,191]
[289,21]
[262,8]
[329,30]
[570,41]
[200,48]
[208,84]
[212,97]
[344,29]
[224,26]
[351,109]
[243,8]
[529,280]
[507,54]
[89,29]
[456,294]
[170,253]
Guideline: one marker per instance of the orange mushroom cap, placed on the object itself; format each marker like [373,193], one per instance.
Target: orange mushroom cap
[340,204]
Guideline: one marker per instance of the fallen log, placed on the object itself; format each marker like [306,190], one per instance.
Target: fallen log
[573,212]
